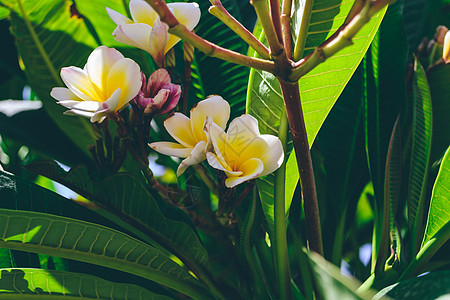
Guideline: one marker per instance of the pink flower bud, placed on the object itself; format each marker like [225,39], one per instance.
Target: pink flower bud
[158,96]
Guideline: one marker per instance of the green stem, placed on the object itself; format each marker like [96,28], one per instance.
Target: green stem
[303,32]
[281,254]
[341,39]
[247,228]
[339,239]
[206,178]
[265,18]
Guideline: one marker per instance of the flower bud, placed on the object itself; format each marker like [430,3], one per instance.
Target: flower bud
[158,96]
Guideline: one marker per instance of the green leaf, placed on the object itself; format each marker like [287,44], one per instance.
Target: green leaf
[27,196]
[35,129]
[420,154]
[342,169]
[92,243]
[439,214]
[413,20]
[430,286]
[19,283]
[47,39]
[319,89]
[4,12]
[122,195]
[385,92]
[331,284]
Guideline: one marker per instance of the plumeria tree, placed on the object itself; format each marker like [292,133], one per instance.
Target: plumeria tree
[269,149]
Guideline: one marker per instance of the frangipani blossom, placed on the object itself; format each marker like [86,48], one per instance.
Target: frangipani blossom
[106,84]
[242,152]
[446,50]
[147,32]
[188,132]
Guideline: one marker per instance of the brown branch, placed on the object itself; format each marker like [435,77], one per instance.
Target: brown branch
[223,15]
[265,18]
[207,47]
[286,27]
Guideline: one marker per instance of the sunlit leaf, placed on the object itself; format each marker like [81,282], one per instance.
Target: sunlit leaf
[122,193]
[319,89]
[435,285]
[420,153]
[88,242]
[439,214]
[25,282]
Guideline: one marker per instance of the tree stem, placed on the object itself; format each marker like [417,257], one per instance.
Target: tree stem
[291,95]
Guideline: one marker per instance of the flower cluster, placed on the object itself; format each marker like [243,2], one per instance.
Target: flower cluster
[109,81]
[241,152]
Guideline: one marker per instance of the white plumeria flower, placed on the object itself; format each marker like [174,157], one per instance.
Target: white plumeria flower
[188,132]
[242,152]
[106,84]
[147,32]
[446,49]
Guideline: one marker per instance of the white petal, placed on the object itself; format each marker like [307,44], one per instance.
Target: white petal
[89,106]
[117,18]
[99,65]
[172,149]
[243,128]
[214,162]
[251,169]
[137,35]
[78,82]
[198,154]
[142,12]
[74,112]
[216,138]
[60,93]
[446,48]
[179,127]
[126,75]
[268,149]
[216,108]
[240,132]
[158,41]
[112,104]
[187,14]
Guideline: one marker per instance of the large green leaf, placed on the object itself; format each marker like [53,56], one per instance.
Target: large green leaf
[33,128]
[92,243]
[20,283]
[319,89]
[121,194]
[48,38]
[332,284]
[385,92]
[435,285]
[420,154]
[439,214]
[342,169]
[19,194]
